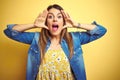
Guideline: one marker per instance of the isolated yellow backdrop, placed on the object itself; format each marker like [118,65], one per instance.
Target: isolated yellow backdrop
[101,56]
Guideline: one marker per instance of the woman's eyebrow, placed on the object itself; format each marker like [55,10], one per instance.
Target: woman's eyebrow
[53,14]
[50,13]
[59,13]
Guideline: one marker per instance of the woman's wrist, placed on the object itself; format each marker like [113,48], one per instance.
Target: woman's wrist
[77,25]
[87,26]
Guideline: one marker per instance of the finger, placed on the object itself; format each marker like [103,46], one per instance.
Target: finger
[64,14]
[64,27]
[45,12]
[39,15]
[68,15]
[46,27]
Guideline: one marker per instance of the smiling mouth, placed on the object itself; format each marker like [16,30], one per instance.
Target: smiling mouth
[54,27]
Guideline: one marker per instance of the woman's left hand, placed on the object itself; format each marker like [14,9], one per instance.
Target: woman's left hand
[68,21]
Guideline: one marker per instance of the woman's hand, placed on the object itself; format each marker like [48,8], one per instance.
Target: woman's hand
[40,20]
[69,22]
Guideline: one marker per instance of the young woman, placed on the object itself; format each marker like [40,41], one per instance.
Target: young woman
[55,54]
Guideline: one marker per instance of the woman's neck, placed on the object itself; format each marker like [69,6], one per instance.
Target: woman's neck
[55,42]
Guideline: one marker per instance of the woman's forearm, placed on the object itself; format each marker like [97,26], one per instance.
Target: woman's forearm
[85,26]
[23,27]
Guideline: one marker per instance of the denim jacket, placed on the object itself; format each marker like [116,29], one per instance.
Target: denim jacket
[76,62]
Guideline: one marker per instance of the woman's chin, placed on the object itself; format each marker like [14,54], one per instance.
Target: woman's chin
[55,33]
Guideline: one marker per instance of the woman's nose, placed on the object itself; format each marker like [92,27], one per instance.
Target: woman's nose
[55,19]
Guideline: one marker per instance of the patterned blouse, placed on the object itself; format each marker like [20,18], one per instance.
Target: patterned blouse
[55,66]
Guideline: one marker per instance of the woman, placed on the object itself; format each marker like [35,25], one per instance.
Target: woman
[55,54]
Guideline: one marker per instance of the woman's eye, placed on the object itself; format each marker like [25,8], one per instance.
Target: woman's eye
[50,17]
[59,16]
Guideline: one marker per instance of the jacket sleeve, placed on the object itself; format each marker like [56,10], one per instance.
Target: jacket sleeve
[24,37]
[86,37]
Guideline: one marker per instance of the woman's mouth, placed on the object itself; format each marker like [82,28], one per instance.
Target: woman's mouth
[54,27]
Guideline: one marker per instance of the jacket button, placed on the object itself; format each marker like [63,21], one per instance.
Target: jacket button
[36,51]
[74,53]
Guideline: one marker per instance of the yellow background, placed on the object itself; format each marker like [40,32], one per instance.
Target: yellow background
[101,57]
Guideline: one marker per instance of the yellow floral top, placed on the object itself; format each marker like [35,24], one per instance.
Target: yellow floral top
[55,66]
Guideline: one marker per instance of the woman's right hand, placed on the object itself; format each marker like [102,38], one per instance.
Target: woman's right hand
[40,20]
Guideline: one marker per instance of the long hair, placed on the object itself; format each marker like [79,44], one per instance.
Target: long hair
[45,35]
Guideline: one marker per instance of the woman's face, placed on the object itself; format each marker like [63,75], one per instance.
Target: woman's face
[55,21]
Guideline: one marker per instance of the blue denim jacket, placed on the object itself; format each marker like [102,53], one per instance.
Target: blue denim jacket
[76,62]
